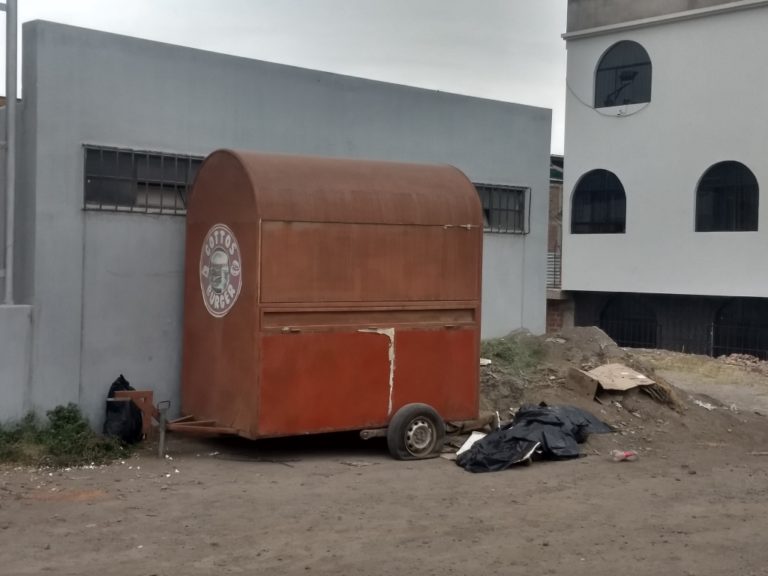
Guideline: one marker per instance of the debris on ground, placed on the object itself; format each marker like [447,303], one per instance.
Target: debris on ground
[529,369]
[123,418]
[746,361]
[706,405]
[617,377]
[474,437]
[623,455]
[357,463]
[541,432]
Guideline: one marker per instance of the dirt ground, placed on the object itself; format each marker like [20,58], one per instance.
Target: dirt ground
[695,502]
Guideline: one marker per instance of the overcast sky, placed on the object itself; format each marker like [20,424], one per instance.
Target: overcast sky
[507,50]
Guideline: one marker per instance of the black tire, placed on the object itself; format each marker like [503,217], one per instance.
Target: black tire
[415,432]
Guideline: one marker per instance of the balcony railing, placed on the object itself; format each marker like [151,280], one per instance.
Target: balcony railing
[553,270]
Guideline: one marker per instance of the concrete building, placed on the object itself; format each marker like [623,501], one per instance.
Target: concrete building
[111,130]
[663,224]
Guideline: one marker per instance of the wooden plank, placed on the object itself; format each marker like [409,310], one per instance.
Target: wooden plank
[202,430]
[182,419]
[144,400]
[200,423]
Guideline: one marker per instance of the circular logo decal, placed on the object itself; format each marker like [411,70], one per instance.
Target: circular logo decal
[220,270]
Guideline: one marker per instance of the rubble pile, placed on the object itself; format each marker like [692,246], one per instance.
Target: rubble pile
[745,361]
[528,369]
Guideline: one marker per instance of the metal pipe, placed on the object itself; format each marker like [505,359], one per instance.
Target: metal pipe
[10,142]
[162,419]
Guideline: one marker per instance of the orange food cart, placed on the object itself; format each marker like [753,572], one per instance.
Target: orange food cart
[327,295]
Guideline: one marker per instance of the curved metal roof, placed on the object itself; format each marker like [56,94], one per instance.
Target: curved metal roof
[314,189]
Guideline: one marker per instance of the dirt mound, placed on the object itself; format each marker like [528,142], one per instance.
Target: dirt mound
[583,347]
[533,369]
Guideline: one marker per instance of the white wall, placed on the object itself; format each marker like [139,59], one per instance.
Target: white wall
[107,288]
[708,105]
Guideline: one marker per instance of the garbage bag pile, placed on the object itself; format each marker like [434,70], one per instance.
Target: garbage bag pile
[123,419]
[546,432]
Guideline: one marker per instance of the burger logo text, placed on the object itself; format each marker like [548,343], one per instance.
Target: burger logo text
[220,270]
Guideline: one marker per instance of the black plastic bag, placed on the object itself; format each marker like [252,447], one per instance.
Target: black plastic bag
[554,432]
[496,452]
[123,418]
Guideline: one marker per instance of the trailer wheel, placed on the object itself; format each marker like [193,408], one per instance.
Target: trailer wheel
[415,432]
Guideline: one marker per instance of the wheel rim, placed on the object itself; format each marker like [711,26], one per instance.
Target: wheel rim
[420,436]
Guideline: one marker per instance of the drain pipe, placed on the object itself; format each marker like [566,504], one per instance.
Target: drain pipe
[11,47]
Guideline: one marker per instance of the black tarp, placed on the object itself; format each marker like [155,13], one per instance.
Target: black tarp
[123,418]
[552,432]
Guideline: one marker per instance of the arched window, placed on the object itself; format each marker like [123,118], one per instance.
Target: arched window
[741,327]
[630,321]
[727,199]
[598,204]
[623,76]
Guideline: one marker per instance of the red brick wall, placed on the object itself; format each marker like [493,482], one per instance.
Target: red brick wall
[555,216]
[556,311]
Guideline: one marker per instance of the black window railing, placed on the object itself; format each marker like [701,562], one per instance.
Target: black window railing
[122,180]
[506,209]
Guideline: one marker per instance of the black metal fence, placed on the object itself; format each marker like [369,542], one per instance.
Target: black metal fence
[740,339]
[634,333]
[712,339]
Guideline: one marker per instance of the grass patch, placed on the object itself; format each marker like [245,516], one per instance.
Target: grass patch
[63,439]
[519,352]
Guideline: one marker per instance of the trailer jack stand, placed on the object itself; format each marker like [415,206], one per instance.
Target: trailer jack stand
[162,409]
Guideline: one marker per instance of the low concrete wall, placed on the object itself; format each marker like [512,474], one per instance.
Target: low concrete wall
[15,354]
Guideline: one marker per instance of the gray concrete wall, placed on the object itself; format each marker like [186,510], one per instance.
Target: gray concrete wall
[15,354]
[21,232]
[3,200]
[132,304]
[26,176]
[107,287]
[583,14]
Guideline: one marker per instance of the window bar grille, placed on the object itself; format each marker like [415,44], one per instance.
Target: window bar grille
[506,209]
[124,180]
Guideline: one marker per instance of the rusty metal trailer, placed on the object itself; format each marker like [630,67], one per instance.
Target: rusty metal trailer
[328,295]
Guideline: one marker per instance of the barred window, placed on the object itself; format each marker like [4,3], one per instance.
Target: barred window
[727,199]
[138,181]
[598,204]
[506,209]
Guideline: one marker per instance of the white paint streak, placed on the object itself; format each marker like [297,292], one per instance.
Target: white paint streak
[390,334]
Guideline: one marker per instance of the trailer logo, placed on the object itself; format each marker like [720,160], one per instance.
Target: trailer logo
[220,270]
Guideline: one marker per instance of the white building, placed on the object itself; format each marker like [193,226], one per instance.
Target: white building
[667,156]
[111,130]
